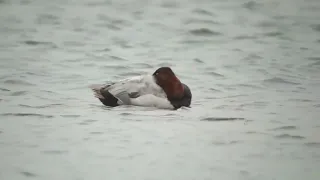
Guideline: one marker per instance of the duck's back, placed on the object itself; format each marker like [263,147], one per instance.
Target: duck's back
[123,91]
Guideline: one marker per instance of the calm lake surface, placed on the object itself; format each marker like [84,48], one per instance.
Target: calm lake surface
[253,68]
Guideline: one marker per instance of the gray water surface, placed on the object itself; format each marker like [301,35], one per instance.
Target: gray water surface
[253,68]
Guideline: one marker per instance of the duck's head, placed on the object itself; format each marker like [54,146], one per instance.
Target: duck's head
[168,81]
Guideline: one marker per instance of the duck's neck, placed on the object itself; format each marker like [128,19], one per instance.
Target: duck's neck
[174,89]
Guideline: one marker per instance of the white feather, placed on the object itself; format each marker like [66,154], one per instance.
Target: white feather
[149,92]
[152,101]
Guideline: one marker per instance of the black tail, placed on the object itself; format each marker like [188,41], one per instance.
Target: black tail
[104,95]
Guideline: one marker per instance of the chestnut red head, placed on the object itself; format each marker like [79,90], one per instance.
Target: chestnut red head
[171,85]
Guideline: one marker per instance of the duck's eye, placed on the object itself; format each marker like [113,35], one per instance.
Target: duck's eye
[157,74]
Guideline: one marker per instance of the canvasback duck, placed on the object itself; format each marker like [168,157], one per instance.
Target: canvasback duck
[162,90]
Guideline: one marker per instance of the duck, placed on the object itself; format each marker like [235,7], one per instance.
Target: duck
[161,89]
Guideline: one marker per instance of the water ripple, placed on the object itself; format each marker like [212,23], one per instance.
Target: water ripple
[3,89]
[54,152]
[273,34]
[285,128]
[87,122]
[316,27]
[313,144]
[39,43]
[315,63]
[200,21]
[18,82]
[96,132]
[70,116]
[169,4]
[314,58]
[250,5]
[48,19]
[288,136]
[204,32]
[277,80]
[245,37]
[203,12]
[227,142]
[211,73]
[27,114]
[117,58]
[198,60]
[126,114]
[19,93]
[28,174]
[221,119]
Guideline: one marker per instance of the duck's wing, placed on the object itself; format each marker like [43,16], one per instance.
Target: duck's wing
[129,88]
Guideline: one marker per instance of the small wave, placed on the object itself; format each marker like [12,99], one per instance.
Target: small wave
[288,136]
[251,5]
[255,132]
[315,63]
[3,89]
[221,119]
[312,144]
[104,50]
[252,56]
[198,60]
[117,58]
[109,26]
[126,74]
[204,32]
[314,58]
[266,24]
[277,80]
[316,27]
[273,34]
[96,132]
[54,152]
[116,67]
[202,12]
[245,37]
[16,81]
[74,43]
[37,43]
[263,71]
[165,64]
[214,90]
[214,74]
[48,19]
[28,174]
[19,93]
[126,114]
[70,116]
[169,4]
[249,86]
[285,128]
[27,114]
[87,122]
[143,65]
[300,100]
[196,42]
[226,142]
[200,21]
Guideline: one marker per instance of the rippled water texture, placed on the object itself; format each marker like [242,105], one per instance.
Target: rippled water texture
[253,67]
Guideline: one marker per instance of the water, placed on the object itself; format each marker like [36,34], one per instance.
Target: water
[253,68]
